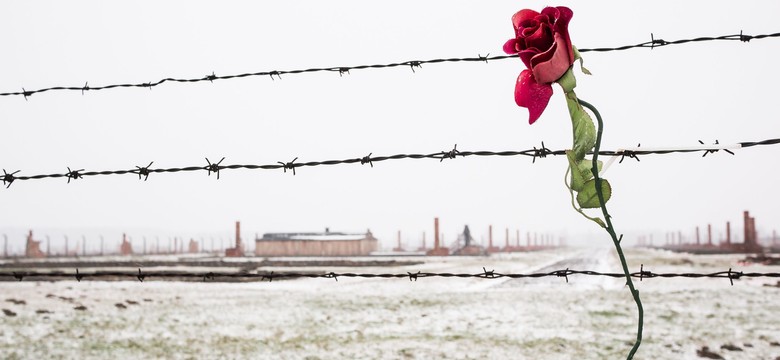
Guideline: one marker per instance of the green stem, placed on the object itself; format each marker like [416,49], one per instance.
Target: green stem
[611,229]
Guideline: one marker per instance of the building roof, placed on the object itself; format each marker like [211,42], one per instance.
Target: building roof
[316,236]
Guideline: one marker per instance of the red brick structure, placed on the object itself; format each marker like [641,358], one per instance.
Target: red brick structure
[491,248]
[316,244]
[126,248]
[238,250]
[193,248]
[33,248]
[751,236]
[437,250]
[750,243]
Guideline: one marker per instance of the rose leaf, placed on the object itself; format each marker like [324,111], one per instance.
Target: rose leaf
[588,197]
[582,126]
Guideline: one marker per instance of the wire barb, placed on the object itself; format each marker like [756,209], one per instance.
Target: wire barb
[563,274]
[712,151]
[540,153]
[413,276]
[213,168]
[450,154]
[656,42]
[630,153]
[367,160]
[734,275]
[290,165]
[144,171]
[415,64]
[73,174]
[643,273]
[9,178]
[744,38]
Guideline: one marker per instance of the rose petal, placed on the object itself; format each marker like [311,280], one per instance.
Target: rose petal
[553,63]
[528,28]
[527,55]
[562,27]
[532,95]
[551,12]
[541,38]
[523,15]
[510,47]
[544,19]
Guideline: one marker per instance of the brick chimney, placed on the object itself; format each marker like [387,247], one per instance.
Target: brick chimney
[238,250]
[438,249]
[728,232]
[238,235]
[436,233]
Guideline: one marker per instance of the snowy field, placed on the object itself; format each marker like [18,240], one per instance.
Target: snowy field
[433,318]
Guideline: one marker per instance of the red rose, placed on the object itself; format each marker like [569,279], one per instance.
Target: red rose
[542,42]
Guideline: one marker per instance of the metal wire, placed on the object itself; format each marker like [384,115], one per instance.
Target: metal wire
[141,275]
[412,64]
[143,172]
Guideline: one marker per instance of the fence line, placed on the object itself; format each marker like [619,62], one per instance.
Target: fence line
[140,275]
[143,172]
[412,64]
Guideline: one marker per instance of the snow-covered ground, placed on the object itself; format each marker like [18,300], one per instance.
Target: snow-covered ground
[433,318]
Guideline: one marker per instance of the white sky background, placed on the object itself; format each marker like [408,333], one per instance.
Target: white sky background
[665,97]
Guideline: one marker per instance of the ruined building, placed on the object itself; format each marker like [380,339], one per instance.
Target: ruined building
[238,250]
[126,248]
[33,247]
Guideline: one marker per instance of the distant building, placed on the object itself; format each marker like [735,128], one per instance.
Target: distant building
[33,247]
[193,247]
[238,250]
[316,244]
[750,243]
[126,248]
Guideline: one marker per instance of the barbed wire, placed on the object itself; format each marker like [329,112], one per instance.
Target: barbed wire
[412,64]
[141,275]
[143,172]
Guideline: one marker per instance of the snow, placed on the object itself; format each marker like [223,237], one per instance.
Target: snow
[447,318]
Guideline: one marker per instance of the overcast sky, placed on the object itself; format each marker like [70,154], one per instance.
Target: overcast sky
[671,96]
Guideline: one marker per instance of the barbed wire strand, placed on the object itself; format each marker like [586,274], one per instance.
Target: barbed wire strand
[143,172]
[141,275]
[412,64]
